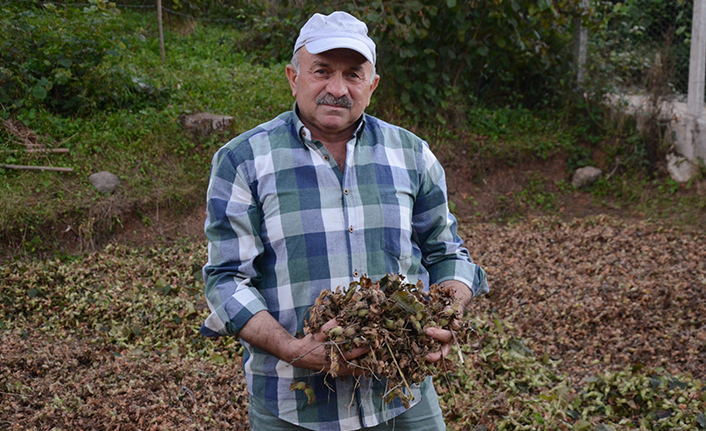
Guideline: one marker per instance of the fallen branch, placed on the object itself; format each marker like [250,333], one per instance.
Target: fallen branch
[38,150]
[37,168]
[22,132]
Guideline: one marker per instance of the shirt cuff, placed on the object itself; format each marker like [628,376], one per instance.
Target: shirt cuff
[233,314]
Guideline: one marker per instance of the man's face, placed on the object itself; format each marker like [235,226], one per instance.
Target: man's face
[332,89]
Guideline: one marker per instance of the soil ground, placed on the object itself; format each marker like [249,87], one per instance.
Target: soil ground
[485,200]
[514,292]
[593,294]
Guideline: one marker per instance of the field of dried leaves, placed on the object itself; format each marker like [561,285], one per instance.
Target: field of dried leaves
[596,324]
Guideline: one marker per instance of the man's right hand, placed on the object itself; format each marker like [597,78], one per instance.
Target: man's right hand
[315,352]
[311,352]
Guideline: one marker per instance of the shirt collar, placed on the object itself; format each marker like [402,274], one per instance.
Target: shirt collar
[305,133]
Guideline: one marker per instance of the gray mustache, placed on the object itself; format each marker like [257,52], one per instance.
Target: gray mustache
[330,99]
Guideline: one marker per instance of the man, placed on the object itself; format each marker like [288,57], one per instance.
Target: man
[312,200]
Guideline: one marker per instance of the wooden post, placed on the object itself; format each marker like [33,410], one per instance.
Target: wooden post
[161,30]
[581,45]
[695,145]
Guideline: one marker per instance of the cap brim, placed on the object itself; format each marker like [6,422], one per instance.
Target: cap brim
[323,45]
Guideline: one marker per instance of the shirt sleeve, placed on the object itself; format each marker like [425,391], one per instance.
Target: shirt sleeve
[232,228]
[435,230]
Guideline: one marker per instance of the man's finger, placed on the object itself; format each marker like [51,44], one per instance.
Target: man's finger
[436,356]
[433,357]
[443,335]
[322,335]
[354,353]
[328,325]
[446,338]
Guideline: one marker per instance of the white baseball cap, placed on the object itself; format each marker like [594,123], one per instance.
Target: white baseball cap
[338,30]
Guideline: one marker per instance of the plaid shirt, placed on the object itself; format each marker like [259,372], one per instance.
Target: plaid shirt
[284,223]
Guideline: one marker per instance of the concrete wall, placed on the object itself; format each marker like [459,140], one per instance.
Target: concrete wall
[687,120]
[688,135]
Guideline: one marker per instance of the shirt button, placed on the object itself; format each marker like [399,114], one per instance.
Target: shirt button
[345,191]
[326,158]
[350,229]
[355,273]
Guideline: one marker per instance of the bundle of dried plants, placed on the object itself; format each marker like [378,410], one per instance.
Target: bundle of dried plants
[389,318]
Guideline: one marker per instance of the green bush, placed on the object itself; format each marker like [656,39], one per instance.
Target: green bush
[224,11]
[449,54]
[67,60]
[444,56]
[628,38]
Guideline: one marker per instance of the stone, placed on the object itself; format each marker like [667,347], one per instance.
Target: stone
[204,123]
[105,182]
[586,176]
[680,168]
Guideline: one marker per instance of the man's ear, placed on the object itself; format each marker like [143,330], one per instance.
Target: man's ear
[375,83]
[373,86]
[292,78]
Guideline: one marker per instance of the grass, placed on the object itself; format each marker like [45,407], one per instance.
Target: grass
[513,133]
[161,164]
[657,199]
[156,158]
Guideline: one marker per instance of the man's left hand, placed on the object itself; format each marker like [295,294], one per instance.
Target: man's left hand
[463,296]
[446,338]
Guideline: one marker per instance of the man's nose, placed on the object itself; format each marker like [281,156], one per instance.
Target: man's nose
[337,85]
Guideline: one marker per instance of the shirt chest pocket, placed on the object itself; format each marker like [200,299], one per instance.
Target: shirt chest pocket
[396,207]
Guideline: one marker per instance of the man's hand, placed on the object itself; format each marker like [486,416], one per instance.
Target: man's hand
[446,338]
[311,352]
[463,296]
[315,350]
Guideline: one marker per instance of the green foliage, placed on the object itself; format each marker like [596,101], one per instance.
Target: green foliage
[660,198]
[515,134]
[579,157]
[159,162]
[635,47]
[67,60]
[501,374]
[651,400]
[237,12]
[271,37]
[122,296]
[446,55]
[535,195]
[512,389]
[506,50]
[631,37]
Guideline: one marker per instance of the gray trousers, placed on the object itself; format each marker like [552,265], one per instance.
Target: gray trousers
[423,416]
